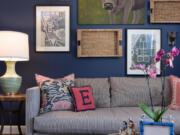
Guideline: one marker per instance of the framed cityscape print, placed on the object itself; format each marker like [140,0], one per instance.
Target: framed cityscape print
[52,28]
[111,11]
[142,46]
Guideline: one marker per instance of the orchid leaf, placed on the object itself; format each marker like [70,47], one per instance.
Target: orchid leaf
[160,115]
[157,113]
[147,111]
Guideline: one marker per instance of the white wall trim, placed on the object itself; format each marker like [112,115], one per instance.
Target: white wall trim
[14,129]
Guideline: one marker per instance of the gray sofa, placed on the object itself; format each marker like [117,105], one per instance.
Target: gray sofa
[115,98]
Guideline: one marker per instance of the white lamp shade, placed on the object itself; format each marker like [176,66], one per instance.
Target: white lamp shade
[14,46]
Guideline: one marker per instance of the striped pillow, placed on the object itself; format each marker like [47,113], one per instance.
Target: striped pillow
[175,86]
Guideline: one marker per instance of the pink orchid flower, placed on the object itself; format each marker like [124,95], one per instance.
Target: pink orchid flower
[171,62]
[157,59]
[153,75]
[174,51]
[167,62]
[152,71]
[160,53]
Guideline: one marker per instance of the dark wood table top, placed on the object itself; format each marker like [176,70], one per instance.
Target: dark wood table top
[12,98]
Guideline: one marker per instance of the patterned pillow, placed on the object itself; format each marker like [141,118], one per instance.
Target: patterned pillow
[82,97]
[175,86]
[54,93]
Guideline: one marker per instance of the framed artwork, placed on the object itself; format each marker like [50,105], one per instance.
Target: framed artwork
[54,0]
[142,46]
[52,28]
[156,128]
[111,11]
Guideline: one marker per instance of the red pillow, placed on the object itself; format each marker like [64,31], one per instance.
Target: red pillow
[175,86]
[83,99]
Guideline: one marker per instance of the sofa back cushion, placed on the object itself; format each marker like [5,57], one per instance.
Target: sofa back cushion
[127,91]
[100,90]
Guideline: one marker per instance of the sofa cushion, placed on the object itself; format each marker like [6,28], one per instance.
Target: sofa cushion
[99,121]
[127,91]
[67,134]
[100,90]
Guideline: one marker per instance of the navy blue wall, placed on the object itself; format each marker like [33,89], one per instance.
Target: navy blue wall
[19,15]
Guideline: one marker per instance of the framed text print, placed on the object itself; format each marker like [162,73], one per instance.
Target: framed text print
[142,46]
[52,28]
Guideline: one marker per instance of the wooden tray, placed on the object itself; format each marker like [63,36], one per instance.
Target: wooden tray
[99,42]
[165,11]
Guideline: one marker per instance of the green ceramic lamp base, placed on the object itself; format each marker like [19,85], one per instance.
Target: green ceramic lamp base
[10,86]
[10,82]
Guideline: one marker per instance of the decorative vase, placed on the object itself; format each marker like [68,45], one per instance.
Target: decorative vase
[10,86]
[10,82]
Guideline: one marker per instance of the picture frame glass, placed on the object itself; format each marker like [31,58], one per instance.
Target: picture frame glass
[156,130]
[52,28]
[142,46]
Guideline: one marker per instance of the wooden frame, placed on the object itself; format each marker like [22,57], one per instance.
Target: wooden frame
[99,42]
[141,52]
[156,128]
[165,11]
[52,28]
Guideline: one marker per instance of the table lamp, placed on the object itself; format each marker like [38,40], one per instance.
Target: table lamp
[14,46]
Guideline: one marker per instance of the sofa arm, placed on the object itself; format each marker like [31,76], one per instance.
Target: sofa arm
[32,108]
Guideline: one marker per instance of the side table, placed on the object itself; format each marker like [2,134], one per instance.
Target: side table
[12,98]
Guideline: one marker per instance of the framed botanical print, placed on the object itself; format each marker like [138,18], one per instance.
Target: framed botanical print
[142,46]
[52,28]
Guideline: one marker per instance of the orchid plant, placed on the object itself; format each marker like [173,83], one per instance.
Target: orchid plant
[150,72]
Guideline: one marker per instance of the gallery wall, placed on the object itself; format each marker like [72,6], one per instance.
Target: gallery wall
[19,15]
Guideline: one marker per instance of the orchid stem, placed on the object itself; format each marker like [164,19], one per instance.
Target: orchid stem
[163,88]
[150,92]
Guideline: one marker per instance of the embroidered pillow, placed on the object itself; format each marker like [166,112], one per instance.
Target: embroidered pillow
[175,86]
[54,93]
[82,98]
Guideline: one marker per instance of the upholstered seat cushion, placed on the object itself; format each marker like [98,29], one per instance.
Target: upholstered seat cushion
[100,90]
[99,121]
